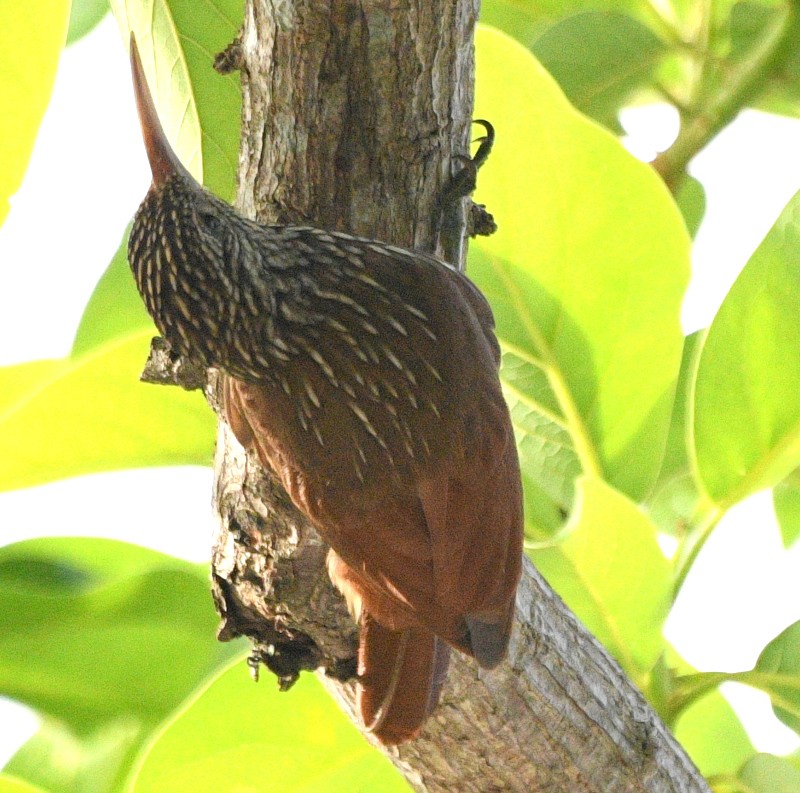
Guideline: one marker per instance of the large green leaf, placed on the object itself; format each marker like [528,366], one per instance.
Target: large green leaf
[115,308]
[105,639]
[587,272]
[598,59]
[31,38]
[611,572]
[241,736]
[89,645]
[91,414]
[746,414]
[199,109]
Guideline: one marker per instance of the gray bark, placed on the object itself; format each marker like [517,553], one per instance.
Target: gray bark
[354,117]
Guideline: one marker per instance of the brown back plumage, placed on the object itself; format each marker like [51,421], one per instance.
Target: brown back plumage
[365,376]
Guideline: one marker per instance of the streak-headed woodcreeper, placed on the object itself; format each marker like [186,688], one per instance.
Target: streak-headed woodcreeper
[365,376]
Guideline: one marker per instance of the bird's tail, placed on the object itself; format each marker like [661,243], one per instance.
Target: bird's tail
[401,674]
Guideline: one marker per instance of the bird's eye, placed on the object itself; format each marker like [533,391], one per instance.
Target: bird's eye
[210,221]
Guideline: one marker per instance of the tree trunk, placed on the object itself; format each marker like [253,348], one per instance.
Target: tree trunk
[355,115]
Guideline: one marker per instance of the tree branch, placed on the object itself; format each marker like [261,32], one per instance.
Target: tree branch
[354,114]
[747,81]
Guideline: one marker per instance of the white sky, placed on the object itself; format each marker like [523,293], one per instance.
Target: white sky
[88,174]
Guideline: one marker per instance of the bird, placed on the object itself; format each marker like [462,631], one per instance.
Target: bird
[365,377]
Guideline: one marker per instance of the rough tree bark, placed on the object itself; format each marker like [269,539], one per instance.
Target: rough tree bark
[354,117]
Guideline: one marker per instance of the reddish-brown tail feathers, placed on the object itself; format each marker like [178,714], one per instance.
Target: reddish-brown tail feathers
[401,675]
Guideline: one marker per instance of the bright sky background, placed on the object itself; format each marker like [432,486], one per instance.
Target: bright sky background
[88,174]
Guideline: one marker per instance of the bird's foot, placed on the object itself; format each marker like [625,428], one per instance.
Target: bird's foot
[463,184]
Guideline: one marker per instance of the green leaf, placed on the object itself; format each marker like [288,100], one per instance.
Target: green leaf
[598,59]
[747,24]
[524,19]
[547,455]
[713,736]
[691,200]
[92,627]
[91,414]
[587,272]
[91,647]
[84,17]
[746,415]
[9,784]
[674,504]
[31,38]
[752,27]
[521,19]
[115,308]
[241,736]
[60,762]
[766,773]
[786,499]
[19,381]
[68,564]
[676,453]
[543,517]
[199,108]
[750,24]
[610,571]
[674,500]
[777,672]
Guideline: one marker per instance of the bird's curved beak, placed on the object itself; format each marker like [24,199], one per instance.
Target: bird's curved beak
[163,160]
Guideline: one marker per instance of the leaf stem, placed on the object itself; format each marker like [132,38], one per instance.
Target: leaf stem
[666,24]
[748,80]
[690,688]
[581,439]
[693,542]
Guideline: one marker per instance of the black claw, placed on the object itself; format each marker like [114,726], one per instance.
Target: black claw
[487,142]
[465,181]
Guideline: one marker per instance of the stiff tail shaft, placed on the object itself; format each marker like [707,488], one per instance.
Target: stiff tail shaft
[401,675]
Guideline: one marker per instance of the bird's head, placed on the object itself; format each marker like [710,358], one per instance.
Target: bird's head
[184,204]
